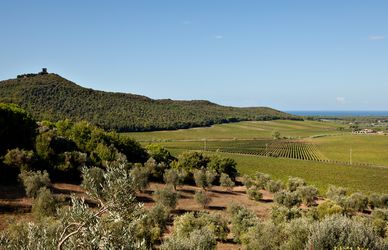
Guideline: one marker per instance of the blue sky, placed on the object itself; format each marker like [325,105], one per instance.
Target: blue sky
[290,55]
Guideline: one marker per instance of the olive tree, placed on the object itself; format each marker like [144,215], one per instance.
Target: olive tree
[226,182]
[33,181]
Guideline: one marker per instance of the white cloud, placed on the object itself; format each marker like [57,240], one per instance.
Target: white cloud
[376,37]
[340,99]
[218,37]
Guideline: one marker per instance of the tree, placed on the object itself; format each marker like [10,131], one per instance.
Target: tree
[328,208]
[241,220]
[17,128]
[34,181]
[167,197]
[223,165]
[254,193]
[202,198]
[20,159]
[287,198]
[294,183]
[44,204]
[307,194]
[159,153]
[204,178]
[261,180]
[226,182]
[174,177]
[276,135]
[274,186]
[357,202]
[140,175]
[191,160]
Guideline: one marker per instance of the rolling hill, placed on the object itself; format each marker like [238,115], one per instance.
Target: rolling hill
[52,97]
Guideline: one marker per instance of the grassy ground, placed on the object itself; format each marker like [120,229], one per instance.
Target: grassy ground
[244,130]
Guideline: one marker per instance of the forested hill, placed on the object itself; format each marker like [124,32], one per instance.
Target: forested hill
[51,97]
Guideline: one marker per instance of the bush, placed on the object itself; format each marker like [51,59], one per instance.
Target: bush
[93,176]
[19,158]
[248,181]
[33,181]
[357,202]
[329,208]
[159,153]
[44,204]
[281,214]
[189,222]
[380,222]
[167,197]
[223,165]
[226,181]
[288,199]
[336,194]
[262,236]
[374,201]
[384,201]
[339,231]
[174,177]
[294,183]
[140,175]
[202,198]
[204,178]
[201,239]
[156,169]
[261,180]
[274,186]
[254,193]
[307,194]
[296,233]
[191,160]
[241,220]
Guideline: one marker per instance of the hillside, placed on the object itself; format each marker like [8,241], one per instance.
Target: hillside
[52,97]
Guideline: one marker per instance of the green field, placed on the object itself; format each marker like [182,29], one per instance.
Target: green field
[318,152]
[244,130]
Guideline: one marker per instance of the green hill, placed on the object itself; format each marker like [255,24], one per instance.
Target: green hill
[51,97]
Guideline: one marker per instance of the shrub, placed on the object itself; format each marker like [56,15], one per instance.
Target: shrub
[357,202]
[339,231]
[226,181]
[294,183]
[254,193]
[191,160]
[307,194]
[261,180]
[296,233]
[204,178]
[33,181]
[94,177]
[174,177]
[384,201]
[156,169]
[198,239]
[287,198]
[202,198]
[247,181]
[262,236]
[159,153]
[19,158]
[44,204]
[140,175]
[374,201]
[336,194]
[223,165]
[329,208]
[280,214]
[241,220]
[167,197]
[274,186]
[380,222]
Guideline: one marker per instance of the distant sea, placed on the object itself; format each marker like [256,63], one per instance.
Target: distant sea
[327,113]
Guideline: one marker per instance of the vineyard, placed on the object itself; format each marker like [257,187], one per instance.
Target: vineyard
[271,148]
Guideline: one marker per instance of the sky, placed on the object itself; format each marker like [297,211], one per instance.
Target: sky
[289,55]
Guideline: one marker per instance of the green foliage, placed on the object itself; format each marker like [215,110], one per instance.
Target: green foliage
[261,180]
[174,177]
[44,204]
[339,231]
[307,194]
[156,169]
[33,181]
[374,200]
[201,239]
[254,193]
[287,198]
[202,198]
[159,153]
[140,175]
[20,159]
[274,186]
[357,202]
[241,220]
[329,208]
[281,214]
[226,181]
[223,165]
[167,197]
[94,178]
[294,183]
[248,181]
[17,128]
[336,194]
[262,236]
[117,111]
[190,160]
[204,178]
[276,135]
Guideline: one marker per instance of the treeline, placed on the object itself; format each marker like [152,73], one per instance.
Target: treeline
[51,97]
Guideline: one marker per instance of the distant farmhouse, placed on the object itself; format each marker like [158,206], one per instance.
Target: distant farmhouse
[43,72]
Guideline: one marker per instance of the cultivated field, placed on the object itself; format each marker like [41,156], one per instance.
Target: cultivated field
[316,151]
